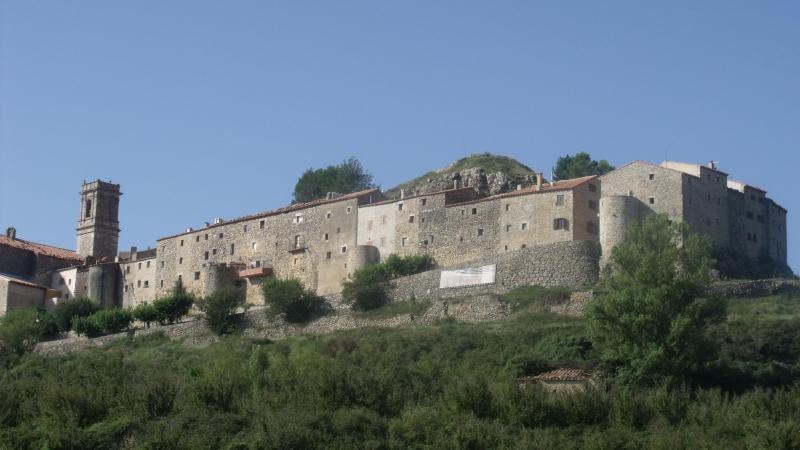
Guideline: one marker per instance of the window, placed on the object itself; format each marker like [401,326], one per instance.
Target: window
[403,241]
[220,236]
[138,283]
[508,206]
[411,219]
[325,236]
[349,210]
[261,225]
[213,251]
[245,228]
[523,246]
[197,238]
[232,249]
[180,260]
[146,283]
[505,247]
[128,269]
[297,241]
[197,275]
[524,226]
[69,282]
[181,242]
[180,277]
[399,206]
[161,283]
[126,288]
[559,200]
[461,239]
[424,201]
[338,230]
[162,264]
[474,211]
[328,215]
[206,255]
[298,218]
[344,249]
[480,231]
[652,177]
[88,209]
[140,265]
[421,220]
[328,255]
[592,204]
[206,237]
[430,239]
[652,200]
[147,264]
[508,228]
[463,211]
[253,245]
[592,187]
[591,227]
[560,224]
[294,262]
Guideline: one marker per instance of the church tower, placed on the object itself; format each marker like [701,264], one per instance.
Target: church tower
[98,226]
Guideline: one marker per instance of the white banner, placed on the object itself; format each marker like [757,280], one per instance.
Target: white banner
[467,277]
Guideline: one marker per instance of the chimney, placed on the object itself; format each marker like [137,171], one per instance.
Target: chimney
[11,233]
[519,187]
[189,229]
[133,254]
[218,220]
[402,193]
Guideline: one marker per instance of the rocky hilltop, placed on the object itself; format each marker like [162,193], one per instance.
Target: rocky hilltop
[489,174]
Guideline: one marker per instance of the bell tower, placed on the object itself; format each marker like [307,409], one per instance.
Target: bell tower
[98,226]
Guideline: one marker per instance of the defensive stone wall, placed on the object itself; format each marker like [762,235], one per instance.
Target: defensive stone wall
[572,263]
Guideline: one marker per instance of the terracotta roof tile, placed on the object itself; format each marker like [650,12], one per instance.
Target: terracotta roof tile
[563,185]
[41,249]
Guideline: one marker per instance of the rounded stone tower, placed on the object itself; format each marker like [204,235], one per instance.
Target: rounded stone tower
[362,256]
[616,214]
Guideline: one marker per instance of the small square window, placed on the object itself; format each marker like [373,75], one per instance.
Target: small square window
[147,264]
[138,283]
[206,237]
[652,200]
[508,206]
[328,255]
[399,206]
[508,228]
[180,260]
[559,200]
[245,228]
[328,215]
[403,242]
[524,226]
[344,249]
[480,231]
[181,242]
[221,235]
[253,245]
[652,177]
[523,246]
[146,283]
[411,219]
[197,275]
[262,224]
[474,211]
[349,210]
[140,265]
[424,201]
[213,251]
[592,187]
[325,236]
[197,238]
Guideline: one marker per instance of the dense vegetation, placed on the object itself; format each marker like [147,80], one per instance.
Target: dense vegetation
[348,176]
[219,307]
[580,165]
[367,288]
[447,386]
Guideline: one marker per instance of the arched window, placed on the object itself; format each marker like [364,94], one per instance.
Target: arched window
[88,209]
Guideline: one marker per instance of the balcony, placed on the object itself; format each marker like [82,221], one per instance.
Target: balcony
[255,272]
[297,247]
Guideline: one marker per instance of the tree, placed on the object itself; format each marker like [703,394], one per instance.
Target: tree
[20,330]
[175,305]
[367,288]
[65,312]
[288,299]
[349,176]
[146,313]
[219,307]
[580,165]
[651,324]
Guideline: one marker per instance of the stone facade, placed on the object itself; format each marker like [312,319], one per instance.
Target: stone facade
[138,278]
[98,226]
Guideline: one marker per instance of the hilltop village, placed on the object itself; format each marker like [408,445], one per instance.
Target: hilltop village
[461,225]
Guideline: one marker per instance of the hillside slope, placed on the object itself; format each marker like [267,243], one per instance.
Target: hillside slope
[489,174]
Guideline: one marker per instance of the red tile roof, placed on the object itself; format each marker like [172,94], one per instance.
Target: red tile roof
[562,185]
[40,249]
[285,209]
[565,375]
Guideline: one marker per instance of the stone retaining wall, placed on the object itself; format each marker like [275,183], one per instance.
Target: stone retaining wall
[573,263]
[754,288]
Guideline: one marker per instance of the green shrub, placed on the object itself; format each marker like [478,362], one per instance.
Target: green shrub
[177,304]
[77,307]
[219,307]
[288,299]
[146,313]
[366,290]
[105,321]
[20,330]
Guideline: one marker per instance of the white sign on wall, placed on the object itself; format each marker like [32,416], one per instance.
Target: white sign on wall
[467,277]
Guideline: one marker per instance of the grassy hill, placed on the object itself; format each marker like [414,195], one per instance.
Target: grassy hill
[490,163]
[450,385]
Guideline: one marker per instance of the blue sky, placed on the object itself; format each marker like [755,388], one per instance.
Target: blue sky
[213,109]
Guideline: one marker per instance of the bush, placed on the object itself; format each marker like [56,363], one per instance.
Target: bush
[66,311]
[105,321]
[219,307]
[146,313]
[288,299]
[366,290]
[174,306]
[20,330]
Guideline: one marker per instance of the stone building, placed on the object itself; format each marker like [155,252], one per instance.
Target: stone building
[323,242]
[747,228]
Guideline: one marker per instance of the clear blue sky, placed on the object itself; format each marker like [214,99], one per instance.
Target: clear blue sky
[213,109]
